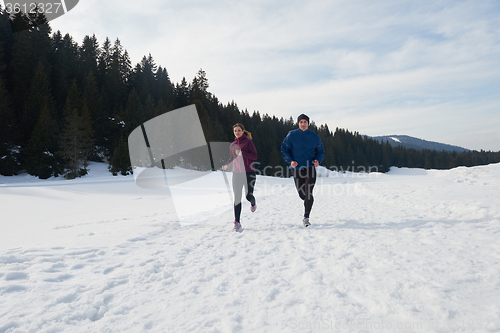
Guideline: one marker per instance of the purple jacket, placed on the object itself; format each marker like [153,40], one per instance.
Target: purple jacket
[248,152]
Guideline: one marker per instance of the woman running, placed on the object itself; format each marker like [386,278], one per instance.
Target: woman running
[241,160]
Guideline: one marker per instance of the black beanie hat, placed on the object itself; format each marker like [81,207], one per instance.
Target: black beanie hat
[302,116]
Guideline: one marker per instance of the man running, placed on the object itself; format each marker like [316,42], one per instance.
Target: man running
[304,151]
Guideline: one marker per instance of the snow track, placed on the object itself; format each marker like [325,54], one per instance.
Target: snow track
[407,251]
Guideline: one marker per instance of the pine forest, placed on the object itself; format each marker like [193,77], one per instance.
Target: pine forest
[65,104]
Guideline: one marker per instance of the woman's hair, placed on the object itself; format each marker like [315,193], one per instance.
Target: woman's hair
[247,133]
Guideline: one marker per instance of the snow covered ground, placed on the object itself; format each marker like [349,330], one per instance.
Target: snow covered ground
[406,251]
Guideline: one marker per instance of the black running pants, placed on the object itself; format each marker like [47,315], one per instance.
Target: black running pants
[304,182]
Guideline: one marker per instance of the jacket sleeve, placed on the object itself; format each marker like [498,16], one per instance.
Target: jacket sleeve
[251,153]
[320,151]
[232,155]
[286,150]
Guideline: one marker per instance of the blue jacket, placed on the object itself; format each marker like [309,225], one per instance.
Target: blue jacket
[302,147]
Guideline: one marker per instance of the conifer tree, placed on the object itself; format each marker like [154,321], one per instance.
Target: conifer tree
[143,78]
[75,142]
[181,94]
[91,98]
[39,96]
[134,112]
[120,162]
[65,66]
[31,46]
[113,88]
[6,38]
[161,107]
[73,99]
[105,57]
[39,155]
[19,22]
[89,54]
[125,66]
[122,59]
[9,153]
[200,84]
[274,161]
[165,87]
[149,108]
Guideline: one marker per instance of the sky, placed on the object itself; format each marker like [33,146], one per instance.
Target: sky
[428,69]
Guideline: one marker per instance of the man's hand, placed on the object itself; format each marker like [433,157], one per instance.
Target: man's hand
[316,163]
[294,164]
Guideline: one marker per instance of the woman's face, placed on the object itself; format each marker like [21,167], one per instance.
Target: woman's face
[238,132]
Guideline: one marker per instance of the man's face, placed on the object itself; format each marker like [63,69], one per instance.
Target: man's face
[303,124]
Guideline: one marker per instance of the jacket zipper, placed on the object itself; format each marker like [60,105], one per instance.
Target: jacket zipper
[239,165]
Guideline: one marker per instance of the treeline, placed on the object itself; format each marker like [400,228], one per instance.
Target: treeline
[63,104]
[347,151]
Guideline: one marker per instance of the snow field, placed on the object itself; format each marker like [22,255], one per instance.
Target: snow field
[407,251]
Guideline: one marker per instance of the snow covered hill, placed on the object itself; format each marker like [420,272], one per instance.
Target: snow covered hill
[407,251]
[415,143]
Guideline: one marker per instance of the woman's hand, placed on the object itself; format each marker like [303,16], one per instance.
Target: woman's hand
[224,167]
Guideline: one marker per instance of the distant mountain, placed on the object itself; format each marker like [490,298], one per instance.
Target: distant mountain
[411,142]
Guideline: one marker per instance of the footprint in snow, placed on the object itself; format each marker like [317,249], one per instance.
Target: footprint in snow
[16,276]
[60,278]
[13,289]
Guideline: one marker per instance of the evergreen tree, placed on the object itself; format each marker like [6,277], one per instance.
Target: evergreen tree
[143,78]
[120,61]
[73,99]
[104,63]
[39,155]
[134,112]
[75,142]
[39,96]
[19,22]
[200,85]
[9,159]
[89,54]
[275,162]
[165,88]
[386,157]
[31,46]
[149,109]
[91,98]
[181,94]
[65,66]
[120,162]
[6,40]
[114,84]
[125,66]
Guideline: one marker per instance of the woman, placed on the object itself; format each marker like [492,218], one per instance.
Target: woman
[242,157]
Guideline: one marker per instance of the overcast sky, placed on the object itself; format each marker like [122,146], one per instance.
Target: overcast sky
[429,69]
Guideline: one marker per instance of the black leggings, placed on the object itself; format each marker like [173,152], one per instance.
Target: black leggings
[304,182]
[241,180]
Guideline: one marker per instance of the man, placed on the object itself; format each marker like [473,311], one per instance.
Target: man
[304,151]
